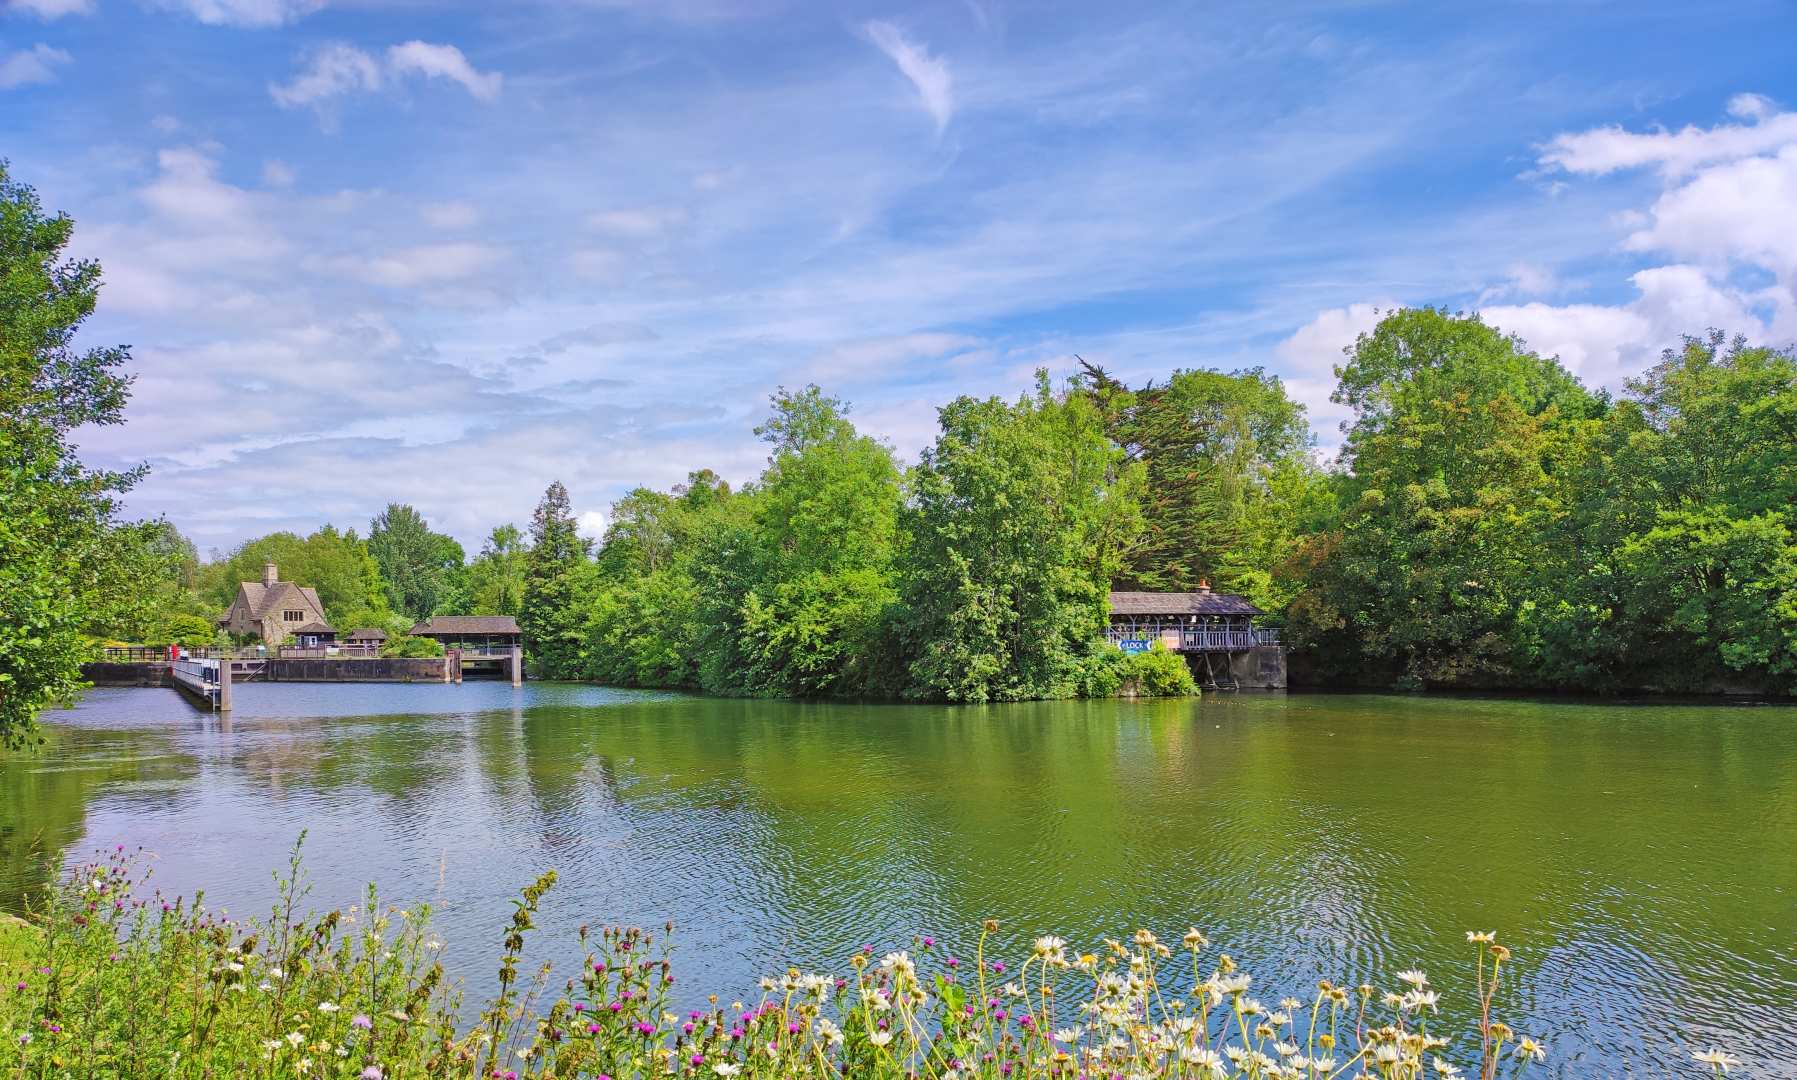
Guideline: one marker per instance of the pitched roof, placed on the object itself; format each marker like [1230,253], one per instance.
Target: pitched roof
[313,628]
[368,633]
[262,599]
[1181,603]
[467,624]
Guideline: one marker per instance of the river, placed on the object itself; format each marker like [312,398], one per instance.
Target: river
[1641,859]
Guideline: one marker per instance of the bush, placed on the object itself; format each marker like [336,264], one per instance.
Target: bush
[127,985]
[1111,672]
[192,631]
[407,645]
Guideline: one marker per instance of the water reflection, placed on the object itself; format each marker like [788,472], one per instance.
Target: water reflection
[1639,858]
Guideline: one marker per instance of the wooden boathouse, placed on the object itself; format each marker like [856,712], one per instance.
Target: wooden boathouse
[1216,632]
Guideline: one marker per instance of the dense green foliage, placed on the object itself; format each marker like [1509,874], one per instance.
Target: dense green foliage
[978,576]
[553,573]
[419,568]
[1502,526]
[1230,480]
[57,527]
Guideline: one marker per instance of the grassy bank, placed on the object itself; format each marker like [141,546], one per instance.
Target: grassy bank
[18,940]
[121,981]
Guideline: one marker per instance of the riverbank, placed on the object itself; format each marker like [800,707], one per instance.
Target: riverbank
[359,992]
[17,941]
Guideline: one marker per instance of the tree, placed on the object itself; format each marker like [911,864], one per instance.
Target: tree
[1230,484]
[1447,490]
[495,579]
[418,566]
[1019,516]
[553,583]
[56,515]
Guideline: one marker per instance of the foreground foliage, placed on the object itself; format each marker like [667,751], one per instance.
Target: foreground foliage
[361,993]
[58,534]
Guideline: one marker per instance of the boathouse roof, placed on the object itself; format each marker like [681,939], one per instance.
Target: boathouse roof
[466,624]
[313,627]
[367,633]
[1203,602]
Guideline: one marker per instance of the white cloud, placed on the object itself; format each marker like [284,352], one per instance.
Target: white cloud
[277,173]
[29,66]
[1610,149]
[51,9]
[1309,357]
[1524,280]
[251,13]
[1729,204]
[424,264]
[591,524]
[1742,211]
[883,357]
[444,62]
[450,215]
[642,222]
[337,70]
[1604,344]
[928,74]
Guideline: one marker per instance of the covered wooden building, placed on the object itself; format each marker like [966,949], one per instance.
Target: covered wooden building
[1217,632]
[472,633]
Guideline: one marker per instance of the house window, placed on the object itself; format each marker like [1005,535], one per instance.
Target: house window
[292,616]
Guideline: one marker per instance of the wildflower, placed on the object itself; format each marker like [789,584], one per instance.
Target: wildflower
[1414,978]
[1716,1059]
[294,1039]
[373,1072]
[880,1038]
[328,1007]
[1067,1035]
[1049,945]
[725,1068]
[1481,937]
[1528,1048]
[1447,1070]
[1194,940]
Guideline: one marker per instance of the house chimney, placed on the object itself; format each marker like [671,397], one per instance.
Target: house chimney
[270,574]
[1204,585]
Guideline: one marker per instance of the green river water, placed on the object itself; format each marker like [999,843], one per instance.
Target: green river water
[1641,859]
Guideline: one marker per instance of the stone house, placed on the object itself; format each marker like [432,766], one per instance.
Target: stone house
[271,609]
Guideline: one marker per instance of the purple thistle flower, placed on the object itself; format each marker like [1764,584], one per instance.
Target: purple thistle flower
[361,1021]
[373,1072]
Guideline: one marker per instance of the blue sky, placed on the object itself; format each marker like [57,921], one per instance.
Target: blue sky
[373,250]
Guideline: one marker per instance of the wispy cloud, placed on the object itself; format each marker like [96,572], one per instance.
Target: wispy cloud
[51,9]
[444,62]
[31,66]
[929,75]
[338,70]
[250,13]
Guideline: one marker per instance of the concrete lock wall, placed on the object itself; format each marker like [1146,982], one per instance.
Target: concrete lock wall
[1261,668]
[383,669]
[108,673]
